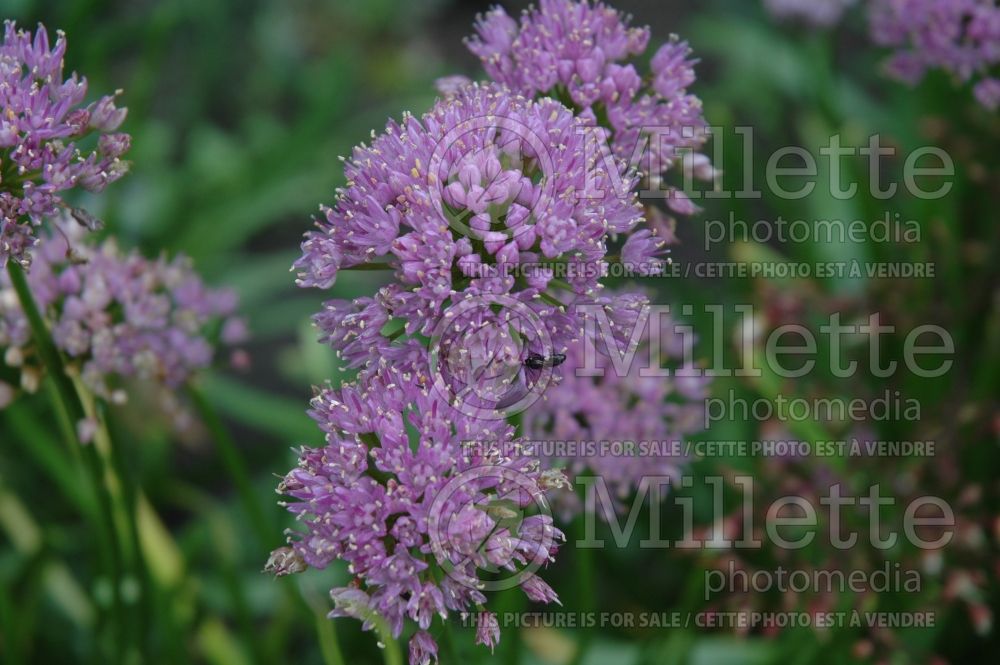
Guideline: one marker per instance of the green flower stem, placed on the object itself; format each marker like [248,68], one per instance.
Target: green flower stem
[125,492]
[325,628]
[328,645]
[450,645]
[391,654]
[69,412]
[585,575]
[26,537]
[235,466]
[364,267]
[68,409]
[510,602]
[37,444]
[555,302]
[237,470]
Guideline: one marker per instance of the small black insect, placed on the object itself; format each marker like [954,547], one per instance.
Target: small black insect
[538,361]
[86,220]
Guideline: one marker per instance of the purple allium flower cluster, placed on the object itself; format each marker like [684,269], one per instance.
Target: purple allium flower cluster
[495,212]
[582,53]
[476,198]
[41,128]
[961,37]
[818,13]
[116,316]
[425,523]
[623,424]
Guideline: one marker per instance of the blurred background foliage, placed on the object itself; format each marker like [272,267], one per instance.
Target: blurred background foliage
[239,110]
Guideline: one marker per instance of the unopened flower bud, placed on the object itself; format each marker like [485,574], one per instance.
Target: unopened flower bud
[6,395]
[31,378]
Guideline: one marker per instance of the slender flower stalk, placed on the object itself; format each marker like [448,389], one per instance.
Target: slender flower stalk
[69,412]
[124,515]
[130,498]
[234,464]
[237,469]
[67,408]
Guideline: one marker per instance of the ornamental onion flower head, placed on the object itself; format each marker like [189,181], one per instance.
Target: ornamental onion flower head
[426,524]
[480,197]
[41,129]
[117,316]
[619,423]
[582,53]
[961,37]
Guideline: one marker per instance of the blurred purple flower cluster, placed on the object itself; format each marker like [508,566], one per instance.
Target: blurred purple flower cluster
[116,316]
[42,128]
[950,570]
[957,575]
[961,37]
[641,414]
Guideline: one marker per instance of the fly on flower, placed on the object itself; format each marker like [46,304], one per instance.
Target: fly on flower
[538,361]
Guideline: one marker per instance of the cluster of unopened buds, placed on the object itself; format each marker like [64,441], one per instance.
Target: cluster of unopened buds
[494,211]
